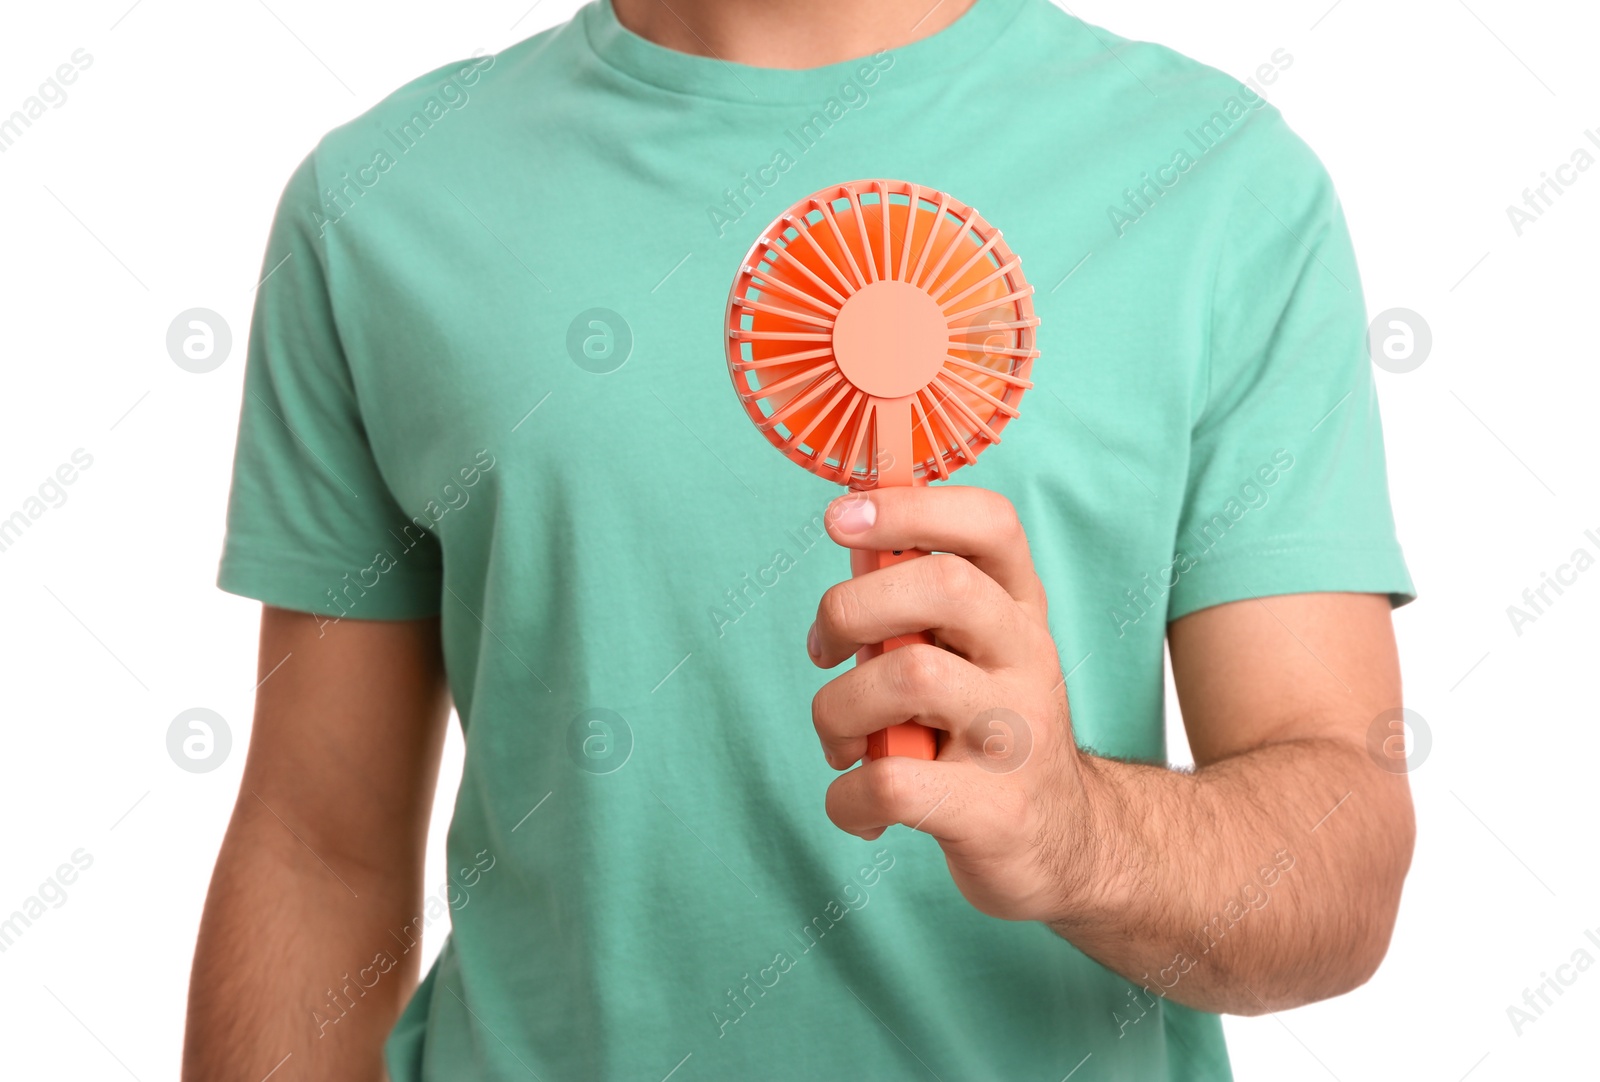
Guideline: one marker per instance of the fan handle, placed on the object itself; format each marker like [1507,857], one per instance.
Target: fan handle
[892,427]
[910,739]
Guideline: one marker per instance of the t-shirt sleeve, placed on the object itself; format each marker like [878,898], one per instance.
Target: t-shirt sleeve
[309,513]
[1287,490]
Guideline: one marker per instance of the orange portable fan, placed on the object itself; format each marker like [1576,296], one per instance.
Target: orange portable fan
[881,334]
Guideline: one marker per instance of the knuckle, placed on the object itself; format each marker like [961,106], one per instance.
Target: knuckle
[953,578]
[1007,522]
[1013,809]
[838,607]
[820,707]
[1003,518]
[885,785]
[916,673]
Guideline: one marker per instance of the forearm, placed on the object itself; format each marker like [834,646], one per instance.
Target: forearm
[299,963]
[1261,882]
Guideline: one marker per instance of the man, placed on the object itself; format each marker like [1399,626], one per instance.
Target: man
[489,456]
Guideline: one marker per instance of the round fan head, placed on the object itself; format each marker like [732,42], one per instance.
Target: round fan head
[880,333]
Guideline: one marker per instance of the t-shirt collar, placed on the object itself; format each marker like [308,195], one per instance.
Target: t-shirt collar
[707,77]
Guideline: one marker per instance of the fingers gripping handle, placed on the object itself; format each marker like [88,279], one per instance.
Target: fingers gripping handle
[908,738]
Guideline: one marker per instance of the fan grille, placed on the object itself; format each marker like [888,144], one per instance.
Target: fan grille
[804,268]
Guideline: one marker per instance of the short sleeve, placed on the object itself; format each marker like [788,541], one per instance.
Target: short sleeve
[1287,490]
[311,522]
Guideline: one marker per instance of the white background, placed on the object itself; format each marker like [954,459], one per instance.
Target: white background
[149,191]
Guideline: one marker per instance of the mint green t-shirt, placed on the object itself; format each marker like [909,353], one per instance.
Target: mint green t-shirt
[486,380]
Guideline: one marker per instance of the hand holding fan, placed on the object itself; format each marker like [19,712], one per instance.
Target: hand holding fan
[881,334]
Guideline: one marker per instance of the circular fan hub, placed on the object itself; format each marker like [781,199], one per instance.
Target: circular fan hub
[890,339]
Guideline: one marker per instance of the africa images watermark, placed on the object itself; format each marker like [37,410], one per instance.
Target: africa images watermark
[1140,198]
[452,895]
[851,95]
[1537,998]
[421,526]
[451,96]
[53,891]
[50,494]
[1252,496]
[1252,896]
[52,92]
[1537,200]
[740,598]
[856,893]
[1566,575]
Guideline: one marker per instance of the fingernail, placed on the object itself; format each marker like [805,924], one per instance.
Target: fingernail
[855,513]
[813,644]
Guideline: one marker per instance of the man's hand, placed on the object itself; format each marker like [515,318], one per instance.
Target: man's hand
[1163,876]
[1005,799]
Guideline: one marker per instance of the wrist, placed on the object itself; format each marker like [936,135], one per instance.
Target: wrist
[1092,864]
